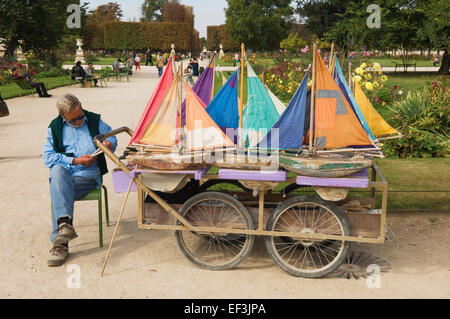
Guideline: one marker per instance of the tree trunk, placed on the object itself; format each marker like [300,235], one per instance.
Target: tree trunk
[445,65]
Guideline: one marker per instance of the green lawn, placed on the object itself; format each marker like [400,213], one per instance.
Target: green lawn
[12,90]
[411,81]
[389,62]
[101,61]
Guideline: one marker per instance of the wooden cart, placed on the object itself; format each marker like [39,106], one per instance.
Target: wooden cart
[305,235]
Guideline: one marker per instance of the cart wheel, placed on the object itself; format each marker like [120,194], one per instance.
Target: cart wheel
[215,250]
[303,257]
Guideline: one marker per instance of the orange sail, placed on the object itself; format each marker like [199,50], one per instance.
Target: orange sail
[153,104]
[335,124]
[162,128]
[201,131]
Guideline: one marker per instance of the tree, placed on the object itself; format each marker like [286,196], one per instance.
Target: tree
[319,16]
[94,35]
[152,10]
[400,22]
[437,29]
[40,24]
[260,24]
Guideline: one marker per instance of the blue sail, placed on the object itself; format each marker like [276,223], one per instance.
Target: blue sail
[287,132]
[340,80]
[223,109]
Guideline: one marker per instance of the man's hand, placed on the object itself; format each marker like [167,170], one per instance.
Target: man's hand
[108,145]
[85,160]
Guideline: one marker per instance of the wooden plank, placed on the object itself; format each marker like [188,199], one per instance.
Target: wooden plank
[261,175]
[357,180]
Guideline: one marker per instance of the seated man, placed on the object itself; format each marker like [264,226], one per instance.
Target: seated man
[78,72]
[39,86]
[90,73]
[73,172]
[117,65]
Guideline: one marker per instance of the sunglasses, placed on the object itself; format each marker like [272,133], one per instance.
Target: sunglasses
[73,121]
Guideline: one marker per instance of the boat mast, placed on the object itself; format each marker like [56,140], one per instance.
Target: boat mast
[213,80]
[313,87]
[180,105]
[241,102]
[330,63]
[350,83]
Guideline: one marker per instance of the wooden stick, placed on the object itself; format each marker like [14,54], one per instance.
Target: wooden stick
[214,80]
[331,57]
[180,101]
[350,83]
[241,104]
[117,226]
[311,119]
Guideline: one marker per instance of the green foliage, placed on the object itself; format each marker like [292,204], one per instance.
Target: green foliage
[152,10]
[218,35]
[423,117]
[144,35]
[258,24]
[40,24]
[293,43]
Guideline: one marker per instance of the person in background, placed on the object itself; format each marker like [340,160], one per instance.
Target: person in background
[194,65]
[160,64]
[78,72]
[149,58]
[90,73]
[73,171]
[39,86]
[116,65]
[138,63]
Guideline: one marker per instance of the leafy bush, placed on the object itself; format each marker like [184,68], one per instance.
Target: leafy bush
[293,43]
[423,118]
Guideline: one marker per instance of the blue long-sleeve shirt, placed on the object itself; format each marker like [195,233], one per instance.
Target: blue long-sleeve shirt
[79,142]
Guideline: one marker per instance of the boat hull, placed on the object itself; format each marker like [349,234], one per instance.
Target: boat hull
[167,162]
[323,167]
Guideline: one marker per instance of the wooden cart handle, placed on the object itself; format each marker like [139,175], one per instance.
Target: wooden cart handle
[98,142]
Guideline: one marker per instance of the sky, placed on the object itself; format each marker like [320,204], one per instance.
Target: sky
[207,12]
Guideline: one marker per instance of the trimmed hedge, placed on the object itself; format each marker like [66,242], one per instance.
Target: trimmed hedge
[154,35]
[217,35]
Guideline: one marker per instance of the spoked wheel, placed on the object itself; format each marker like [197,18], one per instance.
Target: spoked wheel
[307,257]
[215,250]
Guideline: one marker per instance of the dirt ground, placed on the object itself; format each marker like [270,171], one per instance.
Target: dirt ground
[147,263]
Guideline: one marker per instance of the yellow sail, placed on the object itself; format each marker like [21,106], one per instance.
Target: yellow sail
[377,124]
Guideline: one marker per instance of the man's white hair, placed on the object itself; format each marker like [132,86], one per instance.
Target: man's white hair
[67,104]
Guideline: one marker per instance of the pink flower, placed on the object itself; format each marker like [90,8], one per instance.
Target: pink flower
[325,59]
[319,51]
[352,53]
[325,54]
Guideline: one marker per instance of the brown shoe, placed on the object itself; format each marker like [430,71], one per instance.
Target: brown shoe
[58,256]
[64,234]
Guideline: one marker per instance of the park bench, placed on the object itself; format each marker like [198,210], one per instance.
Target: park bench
[24,86]
[405,66]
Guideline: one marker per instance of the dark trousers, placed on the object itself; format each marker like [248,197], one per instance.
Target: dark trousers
[40,88]
[149,59]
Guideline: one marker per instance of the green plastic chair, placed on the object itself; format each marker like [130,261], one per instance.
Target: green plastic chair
[96,194]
